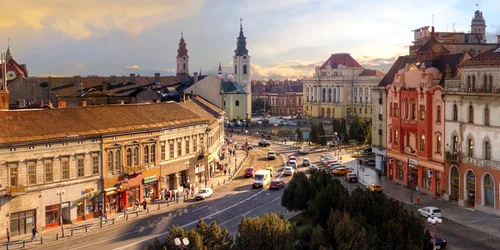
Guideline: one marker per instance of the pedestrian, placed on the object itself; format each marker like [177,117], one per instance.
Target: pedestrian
[144,204]
[162,194]
[229,171]
[33,233]
[136,204]
[8,236]
[225,171]
[285,141]
[106,216]
[379,174]
[167,197]
[205,182]
[177,196]
[192,187]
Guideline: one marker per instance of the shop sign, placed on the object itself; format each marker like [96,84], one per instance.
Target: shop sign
[412,161]
[200,169]
[150,179]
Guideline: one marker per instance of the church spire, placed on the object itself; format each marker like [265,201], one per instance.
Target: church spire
[182,51]
[241,45]
[182,58]
[8,54]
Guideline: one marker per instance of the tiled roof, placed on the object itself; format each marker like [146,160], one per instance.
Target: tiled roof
[64,87]
[46,124]
[490,57]
[210,107]
[195,106]
[371,72]
[232,88]
[341,58]
[399,64]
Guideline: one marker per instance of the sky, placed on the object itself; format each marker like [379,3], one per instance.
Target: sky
[285,38]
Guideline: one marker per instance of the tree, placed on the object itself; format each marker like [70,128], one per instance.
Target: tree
[258,105]
[321,132]
[357,130]
[313,136]
[334,196]
[297,193]
[317,238]
[349,234]
[268,232]
[300,135]
[213,236]
[368,137]
[343,131]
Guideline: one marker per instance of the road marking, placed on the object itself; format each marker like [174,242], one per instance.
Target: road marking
[165,233]
[276,199]
[198,209]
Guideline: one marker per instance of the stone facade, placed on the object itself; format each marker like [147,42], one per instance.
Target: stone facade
[379,126]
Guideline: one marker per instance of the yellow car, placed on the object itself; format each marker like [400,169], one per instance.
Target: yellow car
[374,188]
[341,171]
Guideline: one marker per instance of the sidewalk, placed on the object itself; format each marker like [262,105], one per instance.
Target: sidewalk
[81,227]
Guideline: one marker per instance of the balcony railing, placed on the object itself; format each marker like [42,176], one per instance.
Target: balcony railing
[452,157]
[15,190]
[134,169]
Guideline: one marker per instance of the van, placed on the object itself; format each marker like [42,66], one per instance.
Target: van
[261,179]
[305,149]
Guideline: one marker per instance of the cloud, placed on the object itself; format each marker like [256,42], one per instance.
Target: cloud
[84,19]
[80,66]
[292,69]
[165,69]
[379,63]
[135,66]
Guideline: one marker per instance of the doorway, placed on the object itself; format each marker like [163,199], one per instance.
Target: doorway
[471,189]
[455,184]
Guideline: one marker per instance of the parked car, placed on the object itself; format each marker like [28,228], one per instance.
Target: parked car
[249,172]
[430,212]
[288,170]
[292,157]
[271,155]
[306,162]
[305,149]
[293,163]
[374,188]
[341,171]
[204,193]
[440,243]
[334,165]
[277,184]
[264,143]
[351,177]
[313,167]
[249,147]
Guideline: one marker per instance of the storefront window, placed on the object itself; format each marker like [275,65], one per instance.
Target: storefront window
[427,178]
[133,194]
[22,222]
[400,170]
[52,215]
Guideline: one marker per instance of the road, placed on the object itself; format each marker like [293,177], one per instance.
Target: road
[227,206]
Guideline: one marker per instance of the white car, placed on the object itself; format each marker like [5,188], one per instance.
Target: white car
[292,158]
[204,193]
[306,162]
[288,171]
[293,163]
[430,212]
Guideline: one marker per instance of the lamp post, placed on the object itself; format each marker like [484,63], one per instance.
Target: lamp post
[60,194]
[181,244]
[434,221]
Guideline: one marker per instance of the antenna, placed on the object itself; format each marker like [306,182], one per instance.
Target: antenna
[432,19]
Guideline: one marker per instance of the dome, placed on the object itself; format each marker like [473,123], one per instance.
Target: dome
[434,71]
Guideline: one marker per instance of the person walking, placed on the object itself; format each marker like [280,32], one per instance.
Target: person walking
[225,171]
[33,233]
[144,204]
[192,189]
[106,216]
[177,196]
[229,171]
[162,194]
[8,235]
[379,174]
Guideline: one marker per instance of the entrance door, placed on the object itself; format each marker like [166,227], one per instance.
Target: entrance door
[413,178]
[455,184]
[471,189]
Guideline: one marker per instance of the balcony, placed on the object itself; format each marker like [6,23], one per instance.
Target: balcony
[16,190]
[452,157]
[134,169]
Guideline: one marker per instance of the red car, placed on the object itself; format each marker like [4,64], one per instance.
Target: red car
[249,172]
[351,177]
[277,184]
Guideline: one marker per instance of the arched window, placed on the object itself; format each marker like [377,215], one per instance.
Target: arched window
[490,85]
[487,116]
[135,156]
[184,66]
[329,95]
[455,144]
[471,114]
[487,150]
[237,103]
[422,142]
[469,86]
[455,112]
[470,151]
[235,71]
[489,193]
[473,83]
[153,153]
[244,69]
[485,82]
[396,137]
[146,154]
[110,161]
[324,95]
[335,95]
[118,159]
[438,143]
[129,157]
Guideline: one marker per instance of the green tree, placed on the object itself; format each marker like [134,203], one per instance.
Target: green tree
[334,196]
[343,131]
[268,232]
[349,233]
[297,193]
[357,130]
[213,236]
[300,135]
[368,131]
[313,136]
[322,140]
[317,238]
[258,105]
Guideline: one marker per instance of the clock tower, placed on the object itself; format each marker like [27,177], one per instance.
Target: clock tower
[182,58]
[241,64]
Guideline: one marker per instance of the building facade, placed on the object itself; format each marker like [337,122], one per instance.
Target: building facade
[379,126]
[282,98]
[472,168]
[340,88]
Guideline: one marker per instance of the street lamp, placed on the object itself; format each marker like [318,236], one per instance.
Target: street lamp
[60,194]
[181,244]
[434,221]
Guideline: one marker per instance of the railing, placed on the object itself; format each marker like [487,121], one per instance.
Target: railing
[452,157]
[13,190]
[134,169]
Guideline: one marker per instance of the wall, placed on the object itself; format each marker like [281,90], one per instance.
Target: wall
[209,88]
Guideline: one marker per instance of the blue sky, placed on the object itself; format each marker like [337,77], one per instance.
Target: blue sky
[285,38]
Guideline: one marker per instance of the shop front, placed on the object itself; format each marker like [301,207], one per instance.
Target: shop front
[121,191]
[151,188]
[21,222]
[52,214]
[412,173]
[88,206]
[112,199]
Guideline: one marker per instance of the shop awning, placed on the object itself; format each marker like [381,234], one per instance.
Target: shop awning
[109,189]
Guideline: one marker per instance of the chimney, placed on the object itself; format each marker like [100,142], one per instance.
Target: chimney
[113,80]
[132,78]
[195,77]
[82,104]
[157,78]
[77,80]
[121,102]
[60,104]
[498,38]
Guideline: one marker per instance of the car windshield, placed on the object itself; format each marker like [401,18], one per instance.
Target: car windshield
[259,177]
[288,168]
[203,191]
[275,182]
[249,169]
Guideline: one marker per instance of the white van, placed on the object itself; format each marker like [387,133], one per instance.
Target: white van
[261,179]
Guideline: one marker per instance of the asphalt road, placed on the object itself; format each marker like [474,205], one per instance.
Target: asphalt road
[227,206]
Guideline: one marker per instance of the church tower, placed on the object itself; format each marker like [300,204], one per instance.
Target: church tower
[478,25]
[4,92]
[241,62]
[182,58]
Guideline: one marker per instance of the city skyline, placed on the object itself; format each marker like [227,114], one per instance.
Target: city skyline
[285,40]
